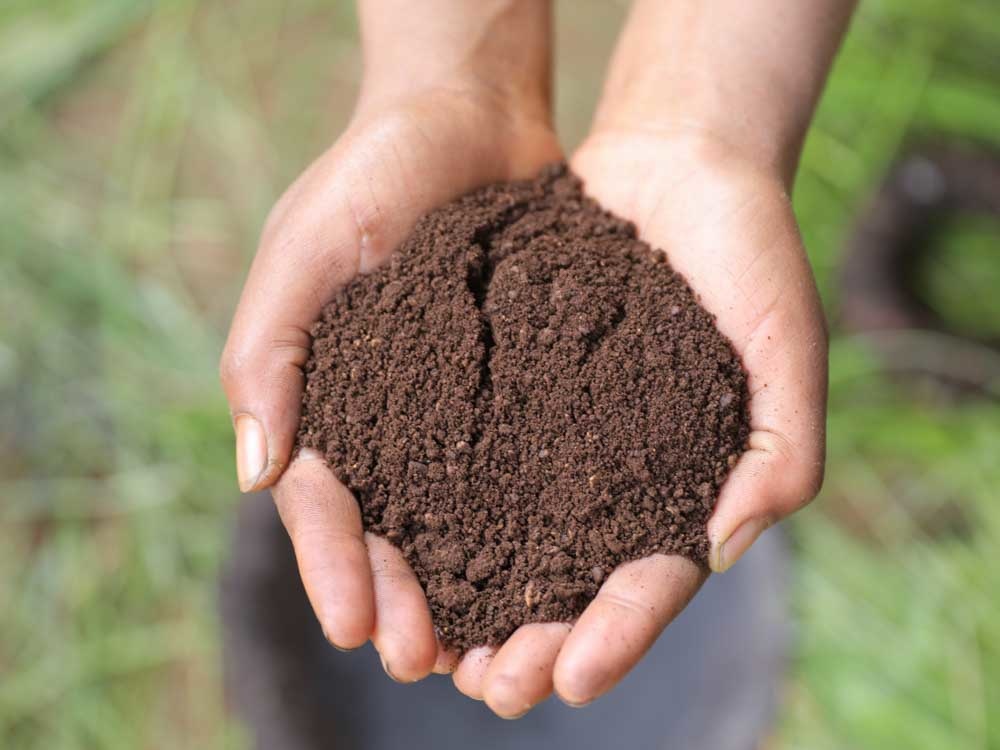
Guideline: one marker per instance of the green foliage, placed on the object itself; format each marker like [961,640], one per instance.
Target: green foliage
[896,586]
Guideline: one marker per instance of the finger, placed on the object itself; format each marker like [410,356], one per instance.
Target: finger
[403,635]
[770,481]
[447,660]
[785,354]
[326,229]
[630,611]
[468,675]
[520,675]
[778,329]
[324,523]
[301,262]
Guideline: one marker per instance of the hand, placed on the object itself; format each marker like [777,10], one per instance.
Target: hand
[402,156]
[696,140]
[723,218]
[726,224]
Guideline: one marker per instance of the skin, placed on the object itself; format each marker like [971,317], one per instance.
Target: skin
[696,141]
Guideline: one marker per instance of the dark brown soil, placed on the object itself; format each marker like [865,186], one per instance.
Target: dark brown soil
[524,398]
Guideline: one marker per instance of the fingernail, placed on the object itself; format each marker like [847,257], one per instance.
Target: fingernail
[514,718]
[251,452]
[573,704]
[385,666]
[725,555]
[308,454]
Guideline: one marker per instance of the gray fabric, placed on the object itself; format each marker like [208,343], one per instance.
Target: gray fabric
[709,682]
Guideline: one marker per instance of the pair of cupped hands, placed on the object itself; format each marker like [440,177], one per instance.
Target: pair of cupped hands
[725,222]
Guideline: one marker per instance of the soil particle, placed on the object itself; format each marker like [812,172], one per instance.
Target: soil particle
[524,398]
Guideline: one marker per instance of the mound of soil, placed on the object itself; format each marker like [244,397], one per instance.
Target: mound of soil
[525,397]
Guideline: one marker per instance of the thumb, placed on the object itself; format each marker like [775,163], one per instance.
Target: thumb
[261,372]
[307,252]
[262,377]
[782,470]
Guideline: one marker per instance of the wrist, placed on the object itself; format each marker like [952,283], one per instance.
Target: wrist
[495,52]
[515,109]
[711,117]
[467,113]
[701,144]
[747,75]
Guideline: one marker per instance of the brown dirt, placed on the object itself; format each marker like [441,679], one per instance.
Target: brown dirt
[525,397]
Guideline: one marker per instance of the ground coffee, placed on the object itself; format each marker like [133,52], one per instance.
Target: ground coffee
[525,397]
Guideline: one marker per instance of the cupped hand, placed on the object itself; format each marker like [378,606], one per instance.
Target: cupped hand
[726,224]
[401,157]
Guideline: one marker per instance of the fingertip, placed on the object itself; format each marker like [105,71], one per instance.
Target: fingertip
[505,696]
[571,702]
[630,611]
[446,661]
[725,553]
[573,684]
[344,606]
[268,478]
[405,674]
[520,675]
[324,523]
[346,628]
[251,452]
[309,454]
[403,634]
[772,479]
[339,644]
[408,662]
[468,675]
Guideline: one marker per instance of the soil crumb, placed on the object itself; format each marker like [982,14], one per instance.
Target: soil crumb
[523,398]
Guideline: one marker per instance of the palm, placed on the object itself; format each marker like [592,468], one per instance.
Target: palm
[728,227]
[344,216]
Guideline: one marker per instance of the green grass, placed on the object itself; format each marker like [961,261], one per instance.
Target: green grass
[141,144]
[897,593]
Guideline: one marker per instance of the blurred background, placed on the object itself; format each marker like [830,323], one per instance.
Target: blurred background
[141,145]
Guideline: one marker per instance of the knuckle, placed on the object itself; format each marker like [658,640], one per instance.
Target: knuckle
[289,344]
[268,359]
[370,238]
[389,572]
[231,369]
[812,482]
[805,471]
[640,613]
[804,478]
[797,472]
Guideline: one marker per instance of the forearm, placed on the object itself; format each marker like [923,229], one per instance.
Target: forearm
[745,74]
[498,47]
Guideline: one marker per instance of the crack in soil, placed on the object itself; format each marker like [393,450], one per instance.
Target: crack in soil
[479,277]
[480,273]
